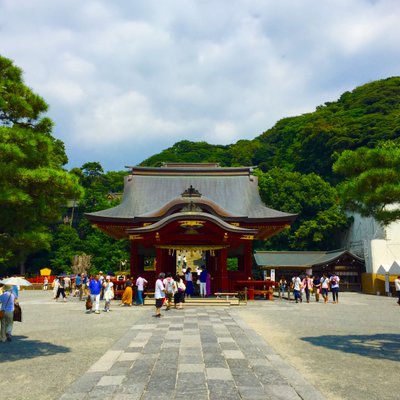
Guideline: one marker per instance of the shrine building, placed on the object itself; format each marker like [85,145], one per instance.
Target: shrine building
[179,209]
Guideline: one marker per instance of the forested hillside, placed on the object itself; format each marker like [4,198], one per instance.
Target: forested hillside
[309,142]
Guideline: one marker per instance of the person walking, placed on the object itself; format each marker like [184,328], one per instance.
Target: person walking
[108,293]
[334,284]
[282,287]
[67,285]
[159,294]
[189,282]
[95,290]
[307,284]
[61,289]
[140,284]
[296,282]
[397,288]
[316,287]
[56,284]
[179,295]
[45,283]
[7,300]
[78,286]
[325,287]
[203,281]
[170,289]
[127,296]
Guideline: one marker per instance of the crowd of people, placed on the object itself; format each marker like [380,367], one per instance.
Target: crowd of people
[305,286]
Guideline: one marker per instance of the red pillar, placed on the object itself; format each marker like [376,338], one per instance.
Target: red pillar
[248,259]
[134,259]
[159,261]
[223,270]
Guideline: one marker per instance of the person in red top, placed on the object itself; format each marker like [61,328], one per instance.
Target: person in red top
[307,284]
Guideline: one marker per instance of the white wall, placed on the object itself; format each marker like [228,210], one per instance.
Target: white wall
[370,240]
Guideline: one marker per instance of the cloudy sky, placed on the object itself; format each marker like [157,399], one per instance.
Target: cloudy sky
[127,79]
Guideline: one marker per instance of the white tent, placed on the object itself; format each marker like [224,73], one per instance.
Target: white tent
[395,268]
[383,269]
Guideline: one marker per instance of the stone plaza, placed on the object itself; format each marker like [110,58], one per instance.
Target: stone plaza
[262,350]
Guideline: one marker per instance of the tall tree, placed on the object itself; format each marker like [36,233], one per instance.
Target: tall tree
[34,185]
[316,202]
[372,184]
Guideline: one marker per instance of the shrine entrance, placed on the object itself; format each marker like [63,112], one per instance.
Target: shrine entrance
[203,210]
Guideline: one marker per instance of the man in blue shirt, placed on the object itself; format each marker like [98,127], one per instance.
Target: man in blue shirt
[7,300]
[78,286]
[95,290]
[203,281]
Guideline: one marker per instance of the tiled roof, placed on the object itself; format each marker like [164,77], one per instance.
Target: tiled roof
[299,258]
[234,190]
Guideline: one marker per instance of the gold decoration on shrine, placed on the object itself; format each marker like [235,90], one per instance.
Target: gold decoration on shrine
[135,237]
[191,224]
[184,248]
[226,236]
[247,237]
[235,223]
[157,236]
[147,223]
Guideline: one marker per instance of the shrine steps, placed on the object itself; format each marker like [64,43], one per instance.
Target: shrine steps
[200,302]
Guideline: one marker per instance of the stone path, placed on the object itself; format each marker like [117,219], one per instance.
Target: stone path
[194,354]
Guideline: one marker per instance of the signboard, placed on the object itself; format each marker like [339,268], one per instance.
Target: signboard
[272,274]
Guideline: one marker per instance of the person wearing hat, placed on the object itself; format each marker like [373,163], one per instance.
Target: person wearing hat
[108,293]
[7,300]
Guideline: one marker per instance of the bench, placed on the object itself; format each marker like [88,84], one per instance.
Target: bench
[226,294]
[268,294]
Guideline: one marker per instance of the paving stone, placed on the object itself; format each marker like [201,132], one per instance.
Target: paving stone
[281,392]
[240,364]
[107,380]
[235,354]
[106,361]
[128,356]
[218,374]
[252,393]
[191,368]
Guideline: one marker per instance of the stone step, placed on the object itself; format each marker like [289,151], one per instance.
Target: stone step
[196,301]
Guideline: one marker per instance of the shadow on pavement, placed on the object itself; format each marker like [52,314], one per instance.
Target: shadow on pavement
[22,348]
[381,346]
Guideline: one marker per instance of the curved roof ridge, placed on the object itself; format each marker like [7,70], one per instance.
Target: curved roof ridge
[187,200]
[193,216]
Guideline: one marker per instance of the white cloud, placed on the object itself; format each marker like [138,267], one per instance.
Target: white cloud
[125,80]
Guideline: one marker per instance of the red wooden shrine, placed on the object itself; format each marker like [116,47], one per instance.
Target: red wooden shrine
[191,207]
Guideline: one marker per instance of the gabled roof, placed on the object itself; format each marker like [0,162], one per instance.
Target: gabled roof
[300,258]
[233,190]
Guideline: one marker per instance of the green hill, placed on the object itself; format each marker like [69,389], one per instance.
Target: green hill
[307,143]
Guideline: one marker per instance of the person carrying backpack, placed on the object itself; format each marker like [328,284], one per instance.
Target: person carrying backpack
[170,289]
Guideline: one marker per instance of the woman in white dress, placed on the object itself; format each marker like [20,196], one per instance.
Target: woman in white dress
[108,293]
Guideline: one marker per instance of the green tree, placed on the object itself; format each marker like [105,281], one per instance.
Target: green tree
[316,202]
[66,244]
[186,151]
[372,184]
[34,186]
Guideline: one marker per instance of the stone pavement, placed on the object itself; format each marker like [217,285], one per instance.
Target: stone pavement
[195,353]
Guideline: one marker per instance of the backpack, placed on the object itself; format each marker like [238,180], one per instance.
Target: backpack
[169,287]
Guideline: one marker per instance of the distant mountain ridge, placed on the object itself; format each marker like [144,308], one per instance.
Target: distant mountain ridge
[307,143]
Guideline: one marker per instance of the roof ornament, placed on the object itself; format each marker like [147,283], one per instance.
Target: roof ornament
[191,192]
[191,207]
